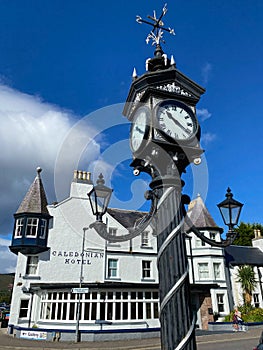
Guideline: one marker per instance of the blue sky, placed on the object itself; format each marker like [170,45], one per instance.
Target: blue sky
[67,61]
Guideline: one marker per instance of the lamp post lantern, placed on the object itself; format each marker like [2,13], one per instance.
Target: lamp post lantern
[99,198]
[230,210]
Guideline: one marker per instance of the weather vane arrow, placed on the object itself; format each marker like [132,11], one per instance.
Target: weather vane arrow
[156,34]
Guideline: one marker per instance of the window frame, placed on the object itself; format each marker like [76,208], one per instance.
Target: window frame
[219,271]
[19,227]
[113,231]
[23,309]
[43,228]
[145,240]
[110,269]
[32,265]
[146,270]
[200,272]
[256,300]
[220,303]
[31,227]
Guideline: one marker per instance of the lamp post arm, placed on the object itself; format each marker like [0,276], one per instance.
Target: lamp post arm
[230,237]
[134,231]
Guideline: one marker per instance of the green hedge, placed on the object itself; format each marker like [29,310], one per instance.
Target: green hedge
[249,314]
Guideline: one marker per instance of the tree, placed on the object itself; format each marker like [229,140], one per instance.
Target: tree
[246,233]
[246,276]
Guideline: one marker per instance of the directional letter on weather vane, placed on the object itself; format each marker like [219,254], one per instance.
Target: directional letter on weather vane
[156,34]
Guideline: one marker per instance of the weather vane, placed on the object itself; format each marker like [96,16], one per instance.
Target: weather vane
[156,34]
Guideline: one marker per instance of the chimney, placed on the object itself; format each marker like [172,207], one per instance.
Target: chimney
[257,234]
[81,184]
[82,176]
[258,240]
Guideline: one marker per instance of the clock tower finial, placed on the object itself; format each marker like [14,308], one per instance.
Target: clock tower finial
[156,34]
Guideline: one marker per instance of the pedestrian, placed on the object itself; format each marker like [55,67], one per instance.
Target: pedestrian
[237,319]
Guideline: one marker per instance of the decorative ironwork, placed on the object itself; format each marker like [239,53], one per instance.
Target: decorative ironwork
[156,34]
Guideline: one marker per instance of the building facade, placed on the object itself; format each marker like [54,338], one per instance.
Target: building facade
[58,253]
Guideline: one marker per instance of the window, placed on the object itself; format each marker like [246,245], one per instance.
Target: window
[43,228]
[203,271]
[112,268]
[112,231]
[104,305]
[19,227]
[31,267]
[31,227]
[23,308]
[220,302]
[199,243]
[256,300]
[212,236]
[217,271]
[145,239]
[146,269]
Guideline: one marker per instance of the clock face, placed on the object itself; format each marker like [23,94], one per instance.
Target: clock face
[140,129]
[176,120]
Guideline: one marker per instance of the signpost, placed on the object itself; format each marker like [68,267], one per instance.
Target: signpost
[79,290]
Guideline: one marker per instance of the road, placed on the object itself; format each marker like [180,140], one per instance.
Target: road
[209,341]
[230,341]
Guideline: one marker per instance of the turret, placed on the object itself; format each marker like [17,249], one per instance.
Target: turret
[31,225]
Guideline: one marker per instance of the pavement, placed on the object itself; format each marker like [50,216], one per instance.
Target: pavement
[202,337]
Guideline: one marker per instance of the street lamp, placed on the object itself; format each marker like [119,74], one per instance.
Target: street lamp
[230,210]
[99,198]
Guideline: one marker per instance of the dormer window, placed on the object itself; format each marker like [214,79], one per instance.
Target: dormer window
[43,228]
[31,227]
[19,228]
[145,239]
[113,231]
[212,235]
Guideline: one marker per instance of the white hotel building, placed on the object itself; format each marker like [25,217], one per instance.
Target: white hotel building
[121,279]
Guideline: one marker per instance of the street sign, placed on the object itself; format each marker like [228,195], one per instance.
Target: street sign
[80,290]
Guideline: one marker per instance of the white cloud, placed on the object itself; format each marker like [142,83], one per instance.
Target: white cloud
[7,259]
[203,114]
[208,138]
[206,72]
[31,134]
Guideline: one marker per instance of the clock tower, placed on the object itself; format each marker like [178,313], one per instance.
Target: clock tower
[161,105]
[164,140]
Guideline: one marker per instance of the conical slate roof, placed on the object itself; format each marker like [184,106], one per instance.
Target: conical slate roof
[35,200]
[199,215]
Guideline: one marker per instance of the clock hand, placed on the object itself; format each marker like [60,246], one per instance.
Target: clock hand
[138,129]
[169,115]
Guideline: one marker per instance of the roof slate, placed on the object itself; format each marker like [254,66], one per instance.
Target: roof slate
[199,215]
[35,201]
[239,255]
[126,218]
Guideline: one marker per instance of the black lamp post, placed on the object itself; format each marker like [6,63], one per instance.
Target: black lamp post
[164,158]
[99,198]
[230,210]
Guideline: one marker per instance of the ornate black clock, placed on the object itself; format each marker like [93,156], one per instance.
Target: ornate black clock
[176,121]
[140,129]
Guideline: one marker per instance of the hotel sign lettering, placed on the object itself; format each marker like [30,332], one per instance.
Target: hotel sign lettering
[75,258]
